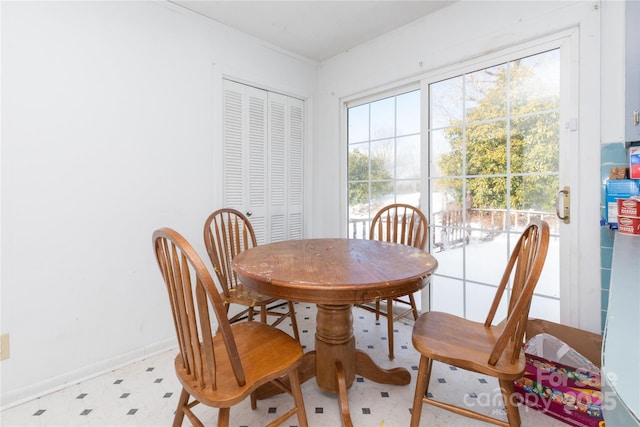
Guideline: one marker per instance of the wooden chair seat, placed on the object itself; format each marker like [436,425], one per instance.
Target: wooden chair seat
[267,353]
[463,343]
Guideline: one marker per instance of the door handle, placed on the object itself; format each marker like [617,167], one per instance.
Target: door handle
[565,215]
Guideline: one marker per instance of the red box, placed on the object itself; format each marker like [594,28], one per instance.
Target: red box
[628,207]
[629,225]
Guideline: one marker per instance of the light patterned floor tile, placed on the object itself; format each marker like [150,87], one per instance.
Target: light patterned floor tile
[145,393]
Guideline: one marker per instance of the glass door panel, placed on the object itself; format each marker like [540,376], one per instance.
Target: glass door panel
[493,165]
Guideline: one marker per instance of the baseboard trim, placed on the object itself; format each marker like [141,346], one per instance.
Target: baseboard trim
[51,385]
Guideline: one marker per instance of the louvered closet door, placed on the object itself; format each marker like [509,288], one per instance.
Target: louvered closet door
[285,167]
[245,153]
[295,161]
[277,166]
[263,140]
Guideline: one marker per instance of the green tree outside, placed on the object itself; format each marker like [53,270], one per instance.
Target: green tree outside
[526,147]
[359,175]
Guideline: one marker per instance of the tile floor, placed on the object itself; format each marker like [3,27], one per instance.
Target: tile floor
[145,393]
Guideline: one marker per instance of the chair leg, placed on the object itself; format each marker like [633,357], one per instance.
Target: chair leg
[254,401]
[510,403]
[429,370]
[296,391]
[377,309]
[422,384]
[182,402]
[223,417]
[414,309]
[390,327]
[294,321]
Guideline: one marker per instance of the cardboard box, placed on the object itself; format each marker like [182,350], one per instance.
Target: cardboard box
[560,390]
[619,189]
[584,342]
[618,173]
[634,162]
[629,225]
[629,207]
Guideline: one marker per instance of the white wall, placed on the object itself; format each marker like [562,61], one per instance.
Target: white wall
[460,33]
[110,129]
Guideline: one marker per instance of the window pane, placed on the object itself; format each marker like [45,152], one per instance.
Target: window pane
[382,159]
[546,284]
[358,123]
[534,194]
[408,192]
[488,193]
[408,157]
[358,209]
[444,196]
[535,142]
[445,105]
[359,162]
[486,94]
[446,152]
[487,148]
[535,84]
[383,118]
[479,300]
[447,295]
[408,113]
[381,195]
[359,193]
[486,259]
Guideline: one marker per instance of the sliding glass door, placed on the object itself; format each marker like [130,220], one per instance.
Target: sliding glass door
[494,163]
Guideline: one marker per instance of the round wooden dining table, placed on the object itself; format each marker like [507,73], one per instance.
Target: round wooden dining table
[336,273]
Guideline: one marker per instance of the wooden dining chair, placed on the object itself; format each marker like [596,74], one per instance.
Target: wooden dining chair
[223,369]
[227,232]
[405,224]
[493,350]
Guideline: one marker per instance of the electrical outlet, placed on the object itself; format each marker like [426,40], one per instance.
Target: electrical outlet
[4,346]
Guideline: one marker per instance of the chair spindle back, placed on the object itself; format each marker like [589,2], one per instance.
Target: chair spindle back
[227,232]
[400,223]
[528,258]
[192,292]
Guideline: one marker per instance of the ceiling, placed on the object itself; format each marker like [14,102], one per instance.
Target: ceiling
[316,30]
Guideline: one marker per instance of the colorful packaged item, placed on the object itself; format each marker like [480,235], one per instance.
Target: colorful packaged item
[560,382]
[634,162]
[629,207]
[629,225]
[619,189]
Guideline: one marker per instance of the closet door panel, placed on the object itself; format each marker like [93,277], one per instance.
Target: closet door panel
[263,138]
[295,162]
[233,135]
[277,166]
[245,153]
[257,149]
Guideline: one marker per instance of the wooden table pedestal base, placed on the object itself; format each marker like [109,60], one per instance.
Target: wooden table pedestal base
[335,361]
